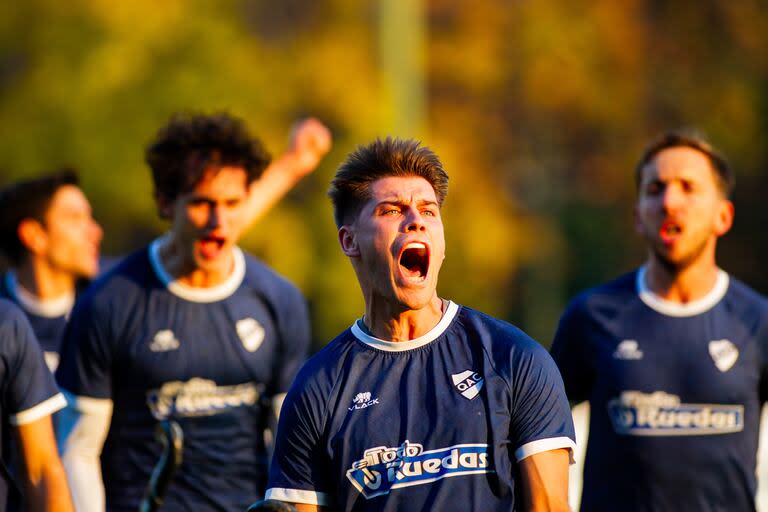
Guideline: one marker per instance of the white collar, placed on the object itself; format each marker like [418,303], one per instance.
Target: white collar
[49,308]
[212,294]
[677,309]
[399,346]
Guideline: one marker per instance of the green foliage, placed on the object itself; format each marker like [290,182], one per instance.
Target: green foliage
[538,110]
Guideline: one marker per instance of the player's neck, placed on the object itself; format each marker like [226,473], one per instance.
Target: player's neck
[391,322]
[179,263]
[44,282]
[681,285]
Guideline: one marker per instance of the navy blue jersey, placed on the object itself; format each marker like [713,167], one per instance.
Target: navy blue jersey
[27,389]
[210,358]
[46,318]
[435,423]
[675,393]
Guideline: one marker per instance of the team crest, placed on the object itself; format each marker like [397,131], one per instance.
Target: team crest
[724,354]
[251,333]
[468,382]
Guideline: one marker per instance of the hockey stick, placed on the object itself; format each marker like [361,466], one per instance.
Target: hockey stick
[171,436]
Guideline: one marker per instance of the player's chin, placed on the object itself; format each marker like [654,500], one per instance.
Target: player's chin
[415,297]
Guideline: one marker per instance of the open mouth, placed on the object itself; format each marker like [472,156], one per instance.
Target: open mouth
[414,261]
[670,231]
[210,246]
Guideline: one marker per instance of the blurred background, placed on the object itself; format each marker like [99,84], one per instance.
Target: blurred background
[539,110]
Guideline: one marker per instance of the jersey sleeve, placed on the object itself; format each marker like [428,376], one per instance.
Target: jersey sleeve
[299,472]
[540,417]
[86,356]
[295,336]
[570,351]
[30,390]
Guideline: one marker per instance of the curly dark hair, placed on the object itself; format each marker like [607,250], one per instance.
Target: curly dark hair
[28,199]
[191,143]
[690,138]
[351,187]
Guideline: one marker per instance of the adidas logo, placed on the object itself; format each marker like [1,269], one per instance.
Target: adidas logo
[468,382]
[628,350]
[164,341]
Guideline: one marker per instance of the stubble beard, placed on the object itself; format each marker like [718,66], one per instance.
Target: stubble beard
[676,267]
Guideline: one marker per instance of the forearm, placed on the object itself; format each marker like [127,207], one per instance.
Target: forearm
[82,451]
[545,481]
[47,491]
[275,182]
[85,483]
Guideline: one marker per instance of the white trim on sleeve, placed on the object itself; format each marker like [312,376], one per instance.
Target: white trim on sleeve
[298,496]
[545,445]
[44,408]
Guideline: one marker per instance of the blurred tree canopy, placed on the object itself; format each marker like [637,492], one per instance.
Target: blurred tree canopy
[538,109]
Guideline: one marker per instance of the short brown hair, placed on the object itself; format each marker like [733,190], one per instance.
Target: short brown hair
[190,143]
[351,187]
[689,138]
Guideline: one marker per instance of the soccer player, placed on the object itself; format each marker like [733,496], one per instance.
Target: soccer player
[422,404]
[672,356]
[49,235]
[28,399]
[189,328]
[52,241]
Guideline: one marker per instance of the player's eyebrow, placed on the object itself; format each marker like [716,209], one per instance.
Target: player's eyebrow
[402,201]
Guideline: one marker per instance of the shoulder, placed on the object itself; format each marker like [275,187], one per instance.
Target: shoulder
[606,297]
[322,370]
[492,331]
[15,330]
[505,345]
[261,277]
[118,285]
[748,305]
[11,317]
[318,379]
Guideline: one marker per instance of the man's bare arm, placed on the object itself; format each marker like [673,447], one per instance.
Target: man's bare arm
[304,507]
[45,480]
[308,143]
[545,481]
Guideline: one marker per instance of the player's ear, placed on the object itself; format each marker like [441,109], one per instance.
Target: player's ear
[348,241]
[32,235]
[724,218]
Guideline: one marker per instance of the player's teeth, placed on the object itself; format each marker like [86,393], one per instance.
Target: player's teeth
[415,245]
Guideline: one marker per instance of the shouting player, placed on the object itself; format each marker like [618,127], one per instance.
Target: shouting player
[422,404]
[50,238]
[189,328]
[672,357]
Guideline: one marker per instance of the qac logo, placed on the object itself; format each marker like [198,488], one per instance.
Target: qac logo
[468,382]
